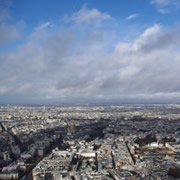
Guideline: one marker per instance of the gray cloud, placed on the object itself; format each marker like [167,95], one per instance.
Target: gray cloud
[4,9]
[62,65]
[10,32]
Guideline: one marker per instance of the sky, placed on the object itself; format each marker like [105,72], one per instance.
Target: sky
[89,51]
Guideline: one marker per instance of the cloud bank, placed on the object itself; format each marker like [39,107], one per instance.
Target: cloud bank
[68,64]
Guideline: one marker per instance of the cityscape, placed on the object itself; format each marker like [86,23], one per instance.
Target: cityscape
[90,142]
[89,90]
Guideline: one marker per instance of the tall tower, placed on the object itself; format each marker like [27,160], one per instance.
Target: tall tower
[71,128]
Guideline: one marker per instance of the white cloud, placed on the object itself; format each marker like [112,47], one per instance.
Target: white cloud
[166,6]
[85,15]
[61,66]
[44,25]
[132,16]
[164,11]
[149,35]
[162,2]
[129,70]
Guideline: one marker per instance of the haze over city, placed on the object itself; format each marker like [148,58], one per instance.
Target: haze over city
[89,51]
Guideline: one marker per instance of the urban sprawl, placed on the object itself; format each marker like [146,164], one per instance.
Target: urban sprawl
[130,142]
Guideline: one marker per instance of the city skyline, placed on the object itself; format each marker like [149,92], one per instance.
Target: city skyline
[89,51]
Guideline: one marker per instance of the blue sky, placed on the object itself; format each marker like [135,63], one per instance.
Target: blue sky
[34,12]
[89,51]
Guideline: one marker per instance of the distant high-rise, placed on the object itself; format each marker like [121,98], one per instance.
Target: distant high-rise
[71,128]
